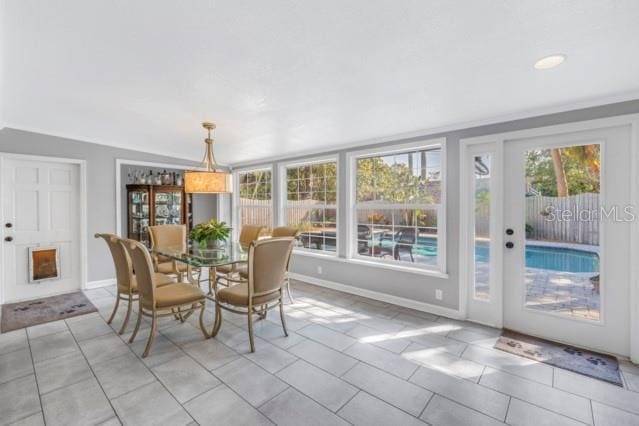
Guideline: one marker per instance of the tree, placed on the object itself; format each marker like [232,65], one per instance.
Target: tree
[560,174]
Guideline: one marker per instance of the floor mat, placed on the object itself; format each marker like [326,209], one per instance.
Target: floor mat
[582,361]
[38,311]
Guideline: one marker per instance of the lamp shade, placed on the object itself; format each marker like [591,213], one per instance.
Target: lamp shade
[206,182]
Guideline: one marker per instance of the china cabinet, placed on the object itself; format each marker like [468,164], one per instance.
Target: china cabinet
[150,205]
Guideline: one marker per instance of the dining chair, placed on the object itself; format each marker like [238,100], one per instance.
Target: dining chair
[267,264]
[160,301]
[172,237]
[127,285]
[248,234]
[285,231]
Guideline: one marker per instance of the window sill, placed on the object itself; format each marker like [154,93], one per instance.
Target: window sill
[362,262]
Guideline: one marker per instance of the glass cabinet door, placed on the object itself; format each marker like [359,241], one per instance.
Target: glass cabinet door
[139,216]
[168,207]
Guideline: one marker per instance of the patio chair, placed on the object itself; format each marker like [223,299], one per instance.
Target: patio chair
[363,236]
[402,241]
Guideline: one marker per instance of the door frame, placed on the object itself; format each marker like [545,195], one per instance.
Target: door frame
[82,164]
[499,139]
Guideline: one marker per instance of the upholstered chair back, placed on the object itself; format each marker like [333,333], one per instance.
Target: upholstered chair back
[267,264]
[249,234]
[121,261]
[163,236]
[285,231]
[143,266]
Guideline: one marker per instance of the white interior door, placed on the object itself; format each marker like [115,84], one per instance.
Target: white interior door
[40,207]
[566,225]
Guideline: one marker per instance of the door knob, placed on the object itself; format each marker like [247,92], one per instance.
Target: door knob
[8,239]
[509,231]
[510,245]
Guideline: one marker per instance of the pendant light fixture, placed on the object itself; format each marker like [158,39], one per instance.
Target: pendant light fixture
[209,180]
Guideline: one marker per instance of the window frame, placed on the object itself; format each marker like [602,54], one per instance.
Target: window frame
[283,200]
[351,172]
[235,217]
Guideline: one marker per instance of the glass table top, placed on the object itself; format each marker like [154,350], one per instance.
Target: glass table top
[232,253]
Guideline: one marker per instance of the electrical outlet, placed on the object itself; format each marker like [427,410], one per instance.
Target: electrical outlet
[319,270]
[439,295]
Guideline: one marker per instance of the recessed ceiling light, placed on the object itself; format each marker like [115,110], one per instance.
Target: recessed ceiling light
[551,61]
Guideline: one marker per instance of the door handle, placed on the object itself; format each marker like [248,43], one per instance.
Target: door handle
[510,244]
[8,225]
[8,239]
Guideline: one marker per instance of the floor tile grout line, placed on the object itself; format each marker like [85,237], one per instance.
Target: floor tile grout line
[510,399]
[35,376]
[421,413]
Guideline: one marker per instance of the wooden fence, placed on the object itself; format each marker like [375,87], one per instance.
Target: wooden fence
[573,219]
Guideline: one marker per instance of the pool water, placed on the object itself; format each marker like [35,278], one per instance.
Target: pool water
[540,257]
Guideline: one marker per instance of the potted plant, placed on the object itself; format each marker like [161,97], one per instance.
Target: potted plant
[210,234]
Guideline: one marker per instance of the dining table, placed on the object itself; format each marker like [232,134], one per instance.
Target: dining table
[196,259]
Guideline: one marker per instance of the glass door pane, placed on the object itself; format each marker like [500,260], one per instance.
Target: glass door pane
[139,215]
[481,272]
[168,208]
[562,212]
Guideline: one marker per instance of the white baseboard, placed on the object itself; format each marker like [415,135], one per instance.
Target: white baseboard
[382,297]
[100,283]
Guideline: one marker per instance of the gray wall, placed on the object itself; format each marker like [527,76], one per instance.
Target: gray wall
[100,160]
[413,286]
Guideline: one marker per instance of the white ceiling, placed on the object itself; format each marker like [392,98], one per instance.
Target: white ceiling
[282,77]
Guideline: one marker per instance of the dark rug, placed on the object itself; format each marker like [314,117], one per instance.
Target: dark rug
[38,311]
[582,361]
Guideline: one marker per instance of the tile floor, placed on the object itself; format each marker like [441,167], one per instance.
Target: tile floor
[347,360]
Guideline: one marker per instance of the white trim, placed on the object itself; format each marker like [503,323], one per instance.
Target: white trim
[634,244]
[100,283]
[464,125]
[119,162]
[351,182]
[82,200]
[382,297]
[283,193]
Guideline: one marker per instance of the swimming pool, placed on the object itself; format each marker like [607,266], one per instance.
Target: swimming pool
[540,257]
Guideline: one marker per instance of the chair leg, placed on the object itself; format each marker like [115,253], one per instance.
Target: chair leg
[250,330]
[288,290]
[128,314]
[115,308]
[137,325]
[202,327]
[149,343]
[218,320]
[282,315]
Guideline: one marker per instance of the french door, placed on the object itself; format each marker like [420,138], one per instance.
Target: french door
[550,236]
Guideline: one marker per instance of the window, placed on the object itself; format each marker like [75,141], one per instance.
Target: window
[311,204]
[254,205]
[398,212]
